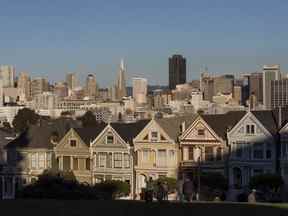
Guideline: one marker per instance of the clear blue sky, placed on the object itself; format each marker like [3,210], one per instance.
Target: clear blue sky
[51,37]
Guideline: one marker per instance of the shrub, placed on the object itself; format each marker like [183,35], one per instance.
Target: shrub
[266,182]
[170,181]
[63,185]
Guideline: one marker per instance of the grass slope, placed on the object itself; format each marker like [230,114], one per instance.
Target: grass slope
[127,208]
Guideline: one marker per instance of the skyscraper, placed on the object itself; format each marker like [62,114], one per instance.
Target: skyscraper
[7,73]
[38,86]
[91,87]
[270,73]
[207,86]
[71,81]
[279,93]
[255,83]
[121,83]
[223,84]
[24,84]
[61,89]
[177,71]
[140,90]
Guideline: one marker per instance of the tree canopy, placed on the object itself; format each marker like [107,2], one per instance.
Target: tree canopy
[88,119]
[24,118]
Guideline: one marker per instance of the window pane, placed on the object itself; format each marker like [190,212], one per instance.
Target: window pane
[162,158]
[201,132]
[190,153]
[102,158]
[87,163]
[110,139]
[75,163]
[66,163]
[127,160]
[34,161]
[118,160]
[73,143]
[109,160]
[209,153]
[41,160]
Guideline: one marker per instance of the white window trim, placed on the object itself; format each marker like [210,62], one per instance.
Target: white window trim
[153,139]
[251,124]
[264,153]
[106,139]
[70,143]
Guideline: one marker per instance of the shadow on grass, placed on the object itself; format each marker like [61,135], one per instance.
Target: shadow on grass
[135,208]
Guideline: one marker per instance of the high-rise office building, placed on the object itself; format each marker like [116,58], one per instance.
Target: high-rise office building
[223,84]
[140,90]
[270,73]
[237,94]
[38,86]
[207,86]
[91,90]
[279,93]
[7,73]
[177,71]
[121,83]
[24,86]
[71,81]
[255,81]
[61,89]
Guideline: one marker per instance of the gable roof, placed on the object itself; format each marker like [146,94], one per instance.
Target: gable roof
[40,136]
[128,131]
[172,125]
[89,134]
[267,119]
[220,123]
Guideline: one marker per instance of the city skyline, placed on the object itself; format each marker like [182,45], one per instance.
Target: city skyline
[226,37]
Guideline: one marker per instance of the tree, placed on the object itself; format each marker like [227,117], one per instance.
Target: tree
[88,119]
[266,182]
[170,181]
[24,118]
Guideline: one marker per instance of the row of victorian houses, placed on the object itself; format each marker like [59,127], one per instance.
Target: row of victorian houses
[237,144]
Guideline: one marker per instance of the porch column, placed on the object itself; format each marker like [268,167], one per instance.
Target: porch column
[112,160]
[123,160]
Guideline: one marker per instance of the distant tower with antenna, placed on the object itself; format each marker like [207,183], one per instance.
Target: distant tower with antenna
[121,82]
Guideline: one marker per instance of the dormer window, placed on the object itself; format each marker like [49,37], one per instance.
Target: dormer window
[201,132]
[73,143]
[154,136]
[250,129]
[109,139]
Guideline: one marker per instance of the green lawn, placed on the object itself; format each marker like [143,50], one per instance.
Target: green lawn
[127,208]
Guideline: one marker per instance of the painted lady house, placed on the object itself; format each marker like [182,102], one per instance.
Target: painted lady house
[253,146]
[157,149]
[112,152]
[72,152]
[204,144]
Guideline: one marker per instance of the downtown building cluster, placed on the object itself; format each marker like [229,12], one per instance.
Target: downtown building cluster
[149,131]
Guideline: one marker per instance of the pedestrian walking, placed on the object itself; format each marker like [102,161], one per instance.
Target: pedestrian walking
[180,183]
[188,190]
[160,191]
[166,190]
[149,190]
